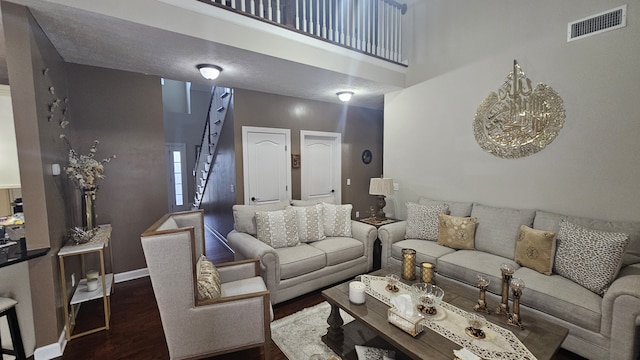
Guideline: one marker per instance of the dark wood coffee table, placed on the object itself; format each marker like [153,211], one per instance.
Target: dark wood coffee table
[371,328]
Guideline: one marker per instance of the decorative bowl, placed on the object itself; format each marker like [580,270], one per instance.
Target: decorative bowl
[427,297]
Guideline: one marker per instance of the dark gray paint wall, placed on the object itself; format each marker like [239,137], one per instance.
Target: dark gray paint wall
[361,129]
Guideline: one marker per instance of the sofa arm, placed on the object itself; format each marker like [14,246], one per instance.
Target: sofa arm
[367,234]
[388,235]
[246,246]
[621,313]
[238,270]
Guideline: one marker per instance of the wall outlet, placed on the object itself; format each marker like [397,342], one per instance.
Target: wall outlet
[233,188]
[396,186]
[357,214]
[73,279]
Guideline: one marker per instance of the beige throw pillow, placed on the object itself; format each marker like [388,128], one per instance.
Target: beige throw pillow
[535,249]
[310,223]
[208,279]
[277,228]
[422,221]
[457,232]
[337,219]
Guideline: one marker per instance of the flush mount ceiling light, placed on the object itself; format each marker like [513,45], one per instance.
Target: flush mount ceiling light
[209,72]
[345,96]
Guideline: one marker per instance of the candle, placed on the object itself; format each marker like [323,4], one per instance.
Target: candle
[357,292]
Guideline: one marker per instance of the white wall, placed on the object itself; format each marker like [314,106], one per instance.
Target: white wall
[9,169]
[463,51]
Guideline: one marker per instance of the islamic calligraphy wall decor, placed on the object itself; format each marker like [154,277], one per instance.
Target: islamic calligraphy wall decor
[518,120]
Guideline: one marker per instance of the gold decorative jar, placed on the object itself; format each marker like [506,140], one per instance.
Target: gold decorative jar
[408,264]
[428,273]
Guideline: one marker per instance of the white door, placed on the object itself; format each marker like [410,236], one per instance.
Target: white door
[321,166]
[177,176]
[266,155]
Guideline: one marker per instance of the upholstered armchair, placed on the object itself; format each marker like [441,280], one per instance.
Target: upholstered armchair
[237,318]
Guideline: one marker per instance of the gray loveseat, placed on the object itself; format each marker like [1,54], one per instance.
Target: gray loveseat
[601,326]
[294,270]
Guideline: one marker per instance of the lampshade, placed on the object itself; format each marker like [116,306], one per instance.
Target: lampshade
[345,96]
[381,186]
[209,72]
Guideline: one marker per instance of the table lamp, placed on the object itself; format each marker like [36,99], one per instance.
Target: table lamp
[381,187]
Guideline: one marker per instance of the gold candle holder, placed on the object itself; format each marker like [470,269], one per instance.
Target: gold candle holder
[483,283]
[516,288]
[408,264]
[507,272]
[428,274]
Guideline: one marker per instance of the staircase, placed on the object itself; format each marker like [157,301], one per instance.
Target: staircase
[218,108]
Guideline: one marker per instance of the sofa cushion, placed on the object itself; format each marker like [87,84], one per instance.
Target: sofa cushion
[465,265]
[299,260]
[591,258]
[456,208]
[457,232]
[244,216]
[243,286]
[340,249]
[207,279]
[337,219]
[560,297]
[310,222]
[550,221]
[535,249]
[277,228]
[499,228]
[426,251]
[422,221]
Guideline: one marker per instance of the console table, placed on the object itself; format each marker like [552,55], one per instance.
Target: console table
[97,244]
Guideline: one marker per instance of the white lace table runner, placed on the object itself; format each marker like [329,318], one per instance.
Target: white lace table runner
[451,322]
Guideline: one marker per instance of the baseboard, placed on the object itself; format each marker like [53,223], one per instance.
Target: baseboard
[131,275]
[52,351]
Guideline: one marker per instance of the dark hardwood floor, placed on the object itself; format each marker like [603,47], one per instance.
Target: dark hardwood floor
[136,332]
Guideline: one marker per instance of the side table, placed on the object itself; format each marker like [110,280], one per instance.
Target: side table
[97,244]
[377,245]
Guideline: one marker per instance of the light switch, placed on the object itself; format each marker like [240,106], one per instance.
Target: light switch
[55,169]
[396,186]
[348,181]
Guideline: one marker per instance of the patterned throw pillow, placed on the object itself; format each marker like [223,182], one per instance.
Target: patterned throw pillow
[371,353]
[591,258]
[310,223]
[208,279]
[422,221]
[534,249]
[337,219]
[457,232]
[277,228]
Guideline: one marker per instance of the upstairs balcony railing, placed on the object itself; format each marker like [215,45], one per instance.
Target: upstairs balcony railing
[373,27]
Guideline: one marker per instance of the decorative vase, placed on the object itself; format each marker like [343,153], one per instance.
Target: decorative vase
[88,208]
[408,264]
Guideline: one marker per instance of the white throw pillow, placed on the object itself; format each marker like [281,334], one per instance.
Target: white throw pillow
[371,353]
[337,219]
[310,223]
[277,228]
[588,257]
[422,221]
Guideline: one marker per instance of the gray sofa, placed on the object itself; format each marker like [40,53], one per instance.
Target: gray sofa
[600,326]
[296,270]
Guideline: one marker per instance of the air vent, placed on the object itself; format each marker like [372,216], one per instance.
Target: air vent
[596,24]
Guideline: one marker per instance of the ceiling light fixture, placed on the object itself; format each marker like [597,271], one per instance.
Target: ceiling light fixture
[345,96]
[209,72]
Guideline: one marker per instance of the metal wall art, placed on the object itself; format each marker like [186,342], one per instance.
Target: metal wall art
[518,120]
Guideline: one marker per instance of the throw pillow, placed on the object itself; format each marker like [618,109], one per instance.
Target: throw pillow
[422,221]
[457,232]
[208,279]
[589,257]
[534,249]
[310,223]
[277,228]
[371,353]
[337,219]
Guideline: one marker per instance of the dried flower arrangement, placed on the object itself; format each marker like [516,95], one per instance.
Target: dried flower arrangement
[85,170]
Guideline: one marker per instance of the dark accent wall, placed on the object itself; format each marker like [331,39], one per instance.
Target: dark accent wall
[361,129]
[123,111]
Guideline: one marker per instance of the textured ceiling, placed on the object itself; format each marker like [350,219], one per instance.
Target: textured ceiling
[92,39]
